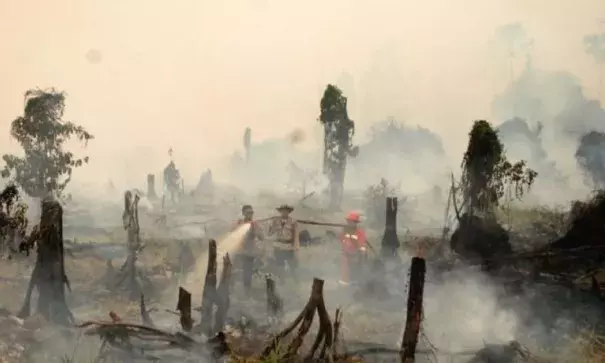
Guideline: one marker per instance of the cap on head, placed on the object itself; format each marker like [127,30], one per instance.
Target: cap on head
[285,207]
[353,217]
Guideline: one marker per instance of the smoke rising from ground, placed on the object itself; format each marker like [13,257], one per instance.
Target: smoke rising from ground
[145,77]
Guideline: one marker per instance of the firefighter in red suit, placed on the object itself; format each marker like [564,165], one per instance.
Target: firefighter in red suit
[354,246]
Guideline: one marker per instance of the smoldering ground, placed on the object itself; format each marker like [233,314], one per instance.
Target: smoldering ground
[147,88]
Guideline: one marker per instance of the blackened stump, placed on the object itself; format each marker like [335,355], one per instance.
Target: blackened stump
[129,278]
[222,298]
[49,272]
[414,312]
[390,242]
[209,294]
[184,307]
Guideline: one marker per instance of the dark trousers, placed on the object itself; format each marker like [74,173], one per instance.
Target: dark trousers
[283,257]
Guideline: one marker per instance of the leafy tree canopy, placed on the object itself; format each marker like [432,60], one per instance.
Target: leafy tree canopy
[486,170]
[333,105]
[46,166]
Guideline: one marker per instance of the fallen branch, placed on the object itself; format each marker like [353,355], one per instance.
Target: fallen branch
[137,341]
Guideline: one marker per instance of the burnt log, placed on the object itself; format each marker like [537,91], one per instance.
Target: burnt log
[414,310]
[49,276]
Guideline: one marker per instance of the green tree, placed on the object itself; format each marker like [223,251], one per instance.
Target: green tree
[486,172]
[46,167]
[338,135]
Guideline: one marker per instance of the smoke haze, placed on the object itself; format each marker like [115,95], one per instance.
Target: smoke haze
[191,75]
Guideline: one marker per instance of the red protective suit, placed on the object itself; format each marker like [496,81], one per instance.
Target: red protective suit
[352,245]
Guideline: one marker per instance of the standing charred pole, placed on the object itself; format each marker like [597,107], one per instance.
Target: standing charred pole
[338,135]
[390,242]
[129,278]
[209,294]
[414,313]
[49,275]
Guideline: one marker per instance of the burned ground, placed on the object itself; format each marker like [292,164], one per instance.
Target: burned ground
[462,307]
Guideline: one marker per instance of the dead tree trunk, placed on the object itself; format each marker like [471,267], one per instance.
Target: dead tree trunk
[390,241]
[414,312]
[222,299]
[184,307]
[303,322]
[209,294]
[49,272]
[275,305]
[151,194]
[129,277]
[145,317]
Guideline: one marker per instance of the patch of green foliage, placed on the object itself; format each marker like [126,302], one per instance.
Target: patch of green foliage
[486,172]
[46,166]
[338,135]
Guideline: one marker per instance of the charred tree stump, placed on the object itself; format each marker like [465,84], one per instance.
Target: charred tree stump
[222,299]
[275,304]
[375,285]
[390,242]
[145,317]
[303,322]
[129,277]
[184,307]
[336,332]
[414,312]
[209,294]
[151,194]
[49,272]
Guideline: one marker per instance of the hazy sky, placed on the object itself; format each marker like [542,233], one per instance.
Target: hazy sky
[146,75]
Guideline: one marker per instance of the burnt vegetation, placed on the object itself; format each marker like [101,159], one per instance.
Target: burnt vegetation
[213,331]
[486,176]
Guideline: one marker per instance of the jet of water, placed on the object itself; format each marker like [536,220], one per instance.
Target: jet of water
[229,243]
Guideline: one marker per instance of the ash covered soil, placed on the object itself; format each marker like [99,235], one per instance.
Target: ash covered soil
[463,311]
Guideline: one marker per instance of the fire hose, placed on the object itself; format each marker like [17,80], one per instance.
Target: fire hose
[322,224]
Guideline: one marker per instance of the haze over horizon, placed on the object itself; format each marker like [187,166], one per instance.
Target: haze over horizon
[190,75]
